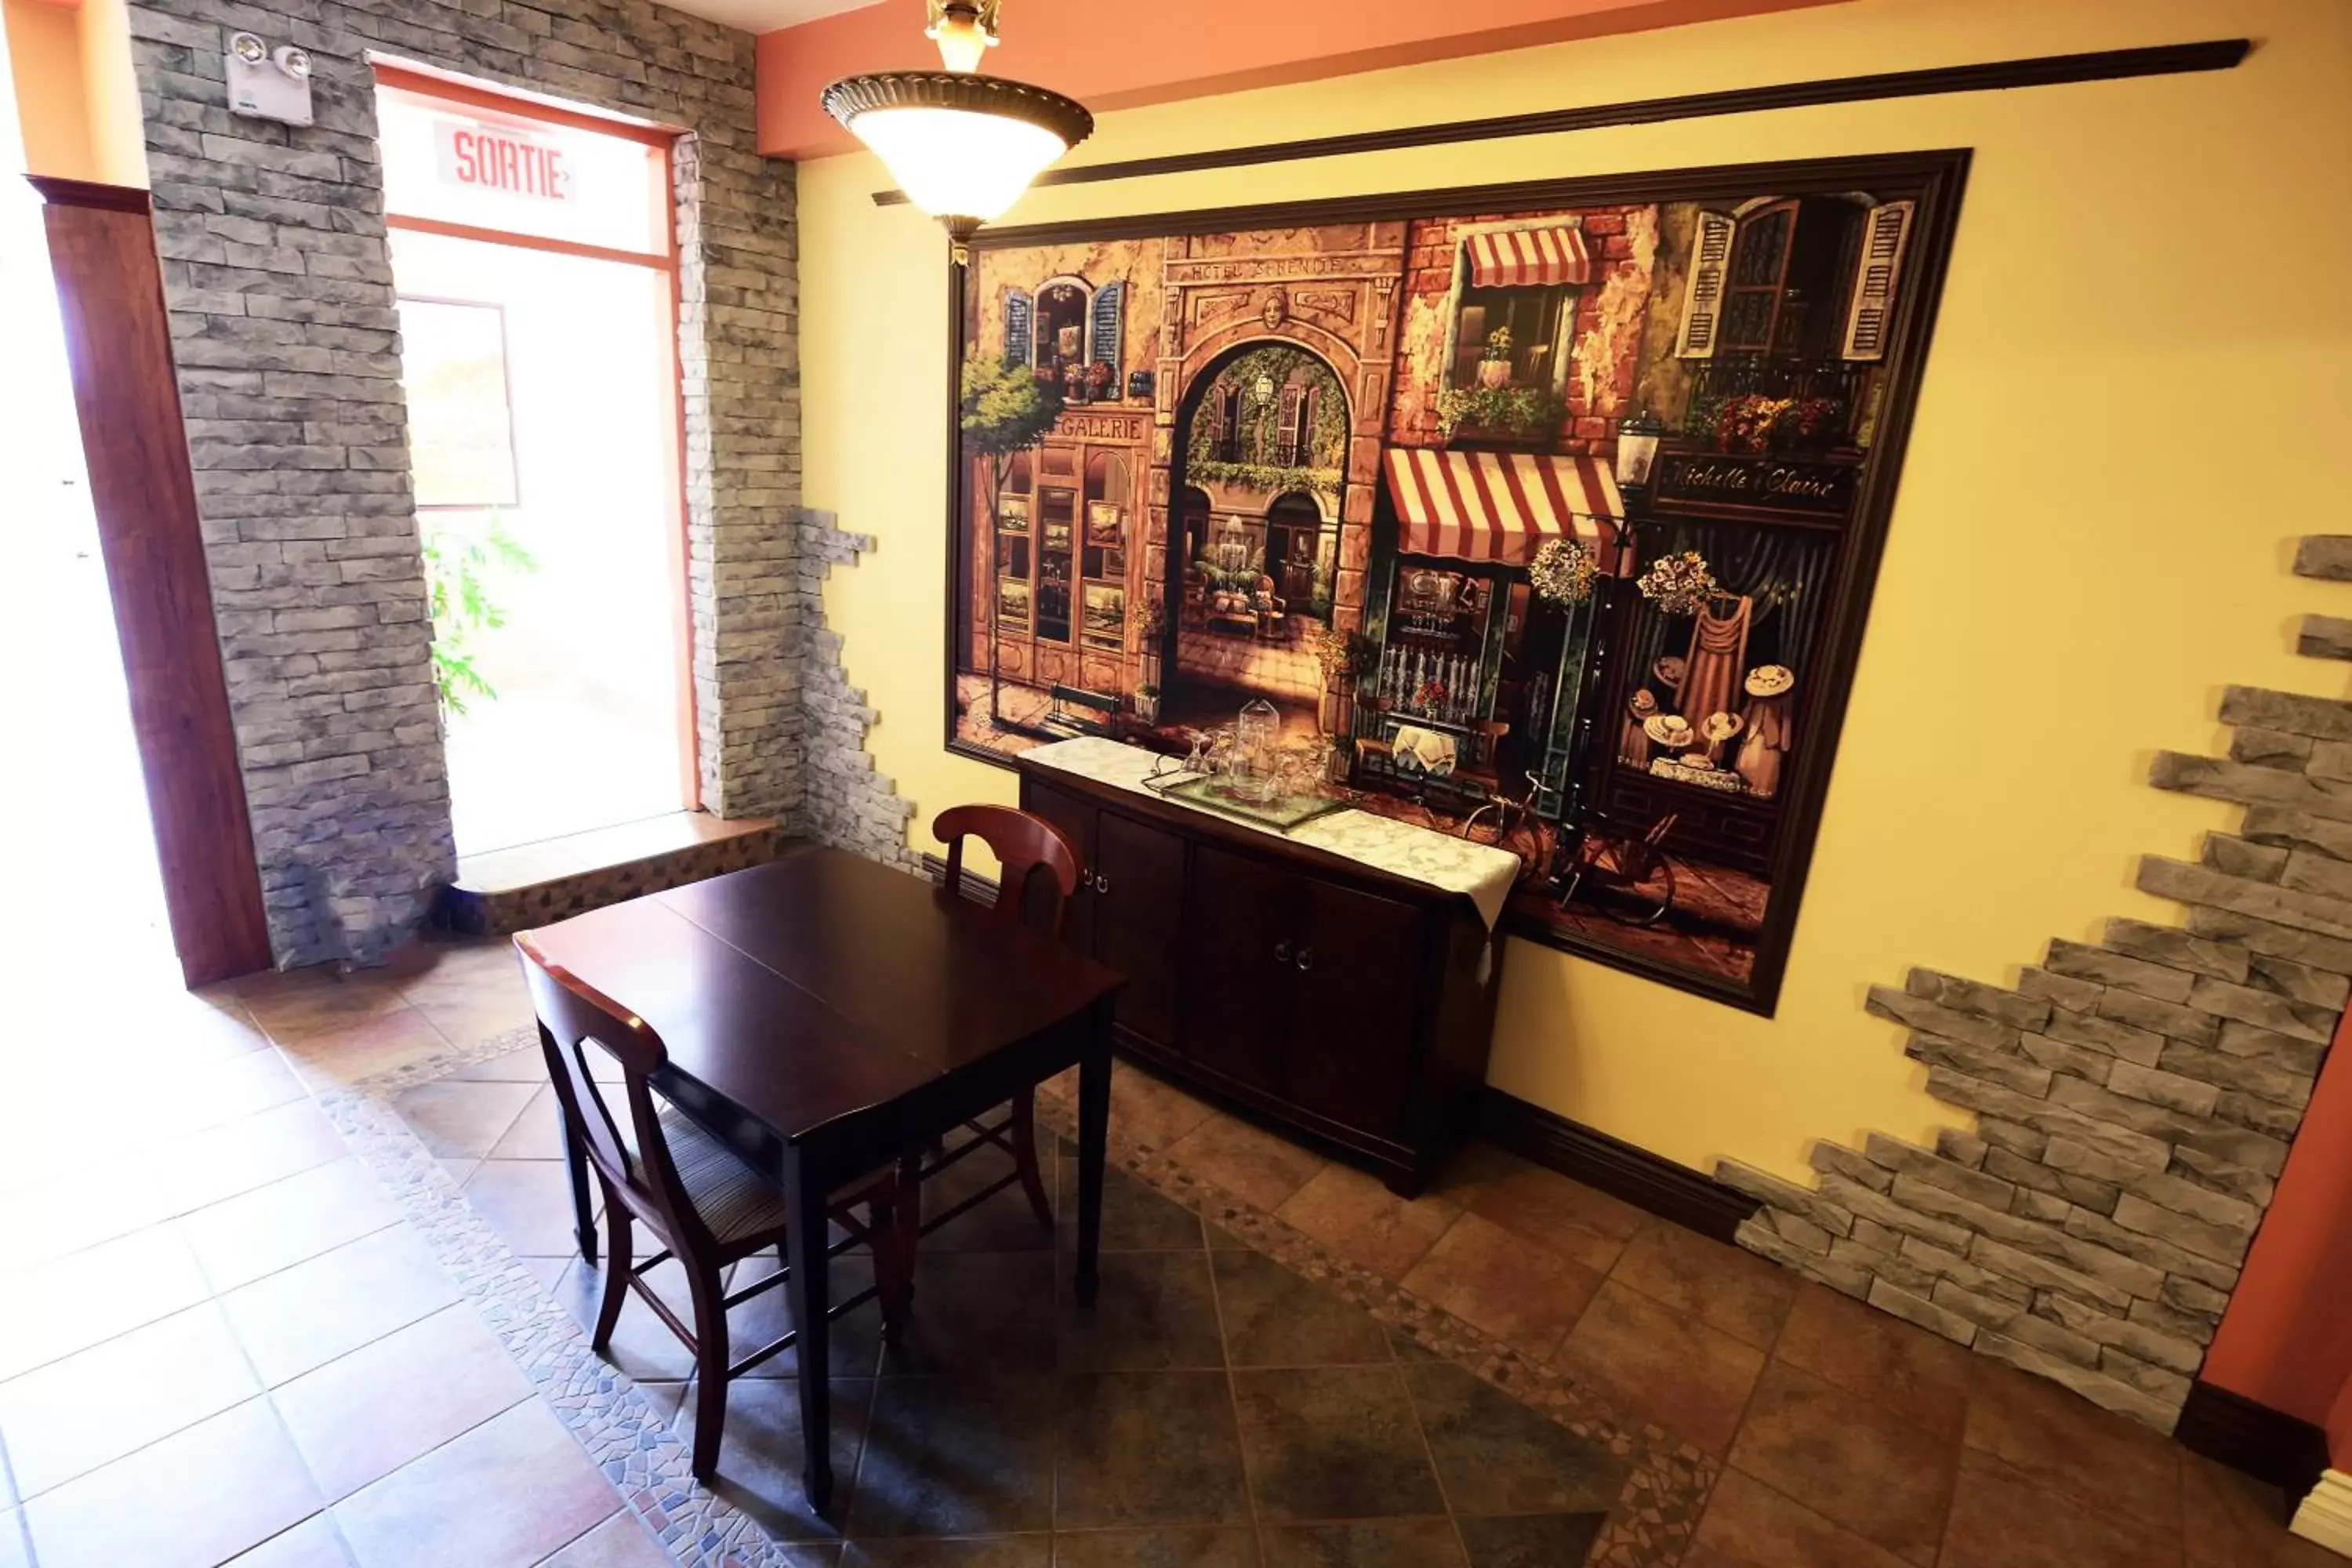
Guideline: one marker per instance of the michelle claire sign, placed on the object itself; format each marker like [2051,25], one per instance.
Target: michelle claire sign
[504,160]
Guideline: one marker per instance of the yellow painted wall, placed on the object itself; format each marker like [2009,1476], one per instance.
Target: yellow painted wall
[2138,396]
[77,100]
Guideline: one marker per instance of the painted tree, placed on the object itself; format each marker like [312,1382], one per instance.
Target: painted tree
[1005,411]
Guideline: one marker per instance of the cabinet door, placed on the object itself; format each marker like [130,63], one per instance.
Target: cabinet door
[1138,919]
[1358,963]
[1238,961]
[1076,818]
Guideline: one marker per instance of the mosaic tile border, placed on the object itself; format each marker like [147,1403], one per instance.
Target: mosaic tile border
[1652,1525]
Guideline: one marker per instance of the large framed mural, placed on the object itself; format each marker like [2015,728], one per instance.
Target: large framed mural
[1546,513]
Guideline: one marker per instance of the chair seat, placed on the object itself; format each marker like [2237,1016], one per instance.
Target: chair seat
[734,1200]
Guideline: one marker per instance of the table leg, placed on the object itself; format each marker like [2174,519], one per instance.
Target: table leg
[584,1213]
[804,1243]
[1094,1136]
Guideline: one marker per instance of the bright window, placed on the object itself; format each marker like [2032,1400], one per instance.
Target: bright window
[533,263]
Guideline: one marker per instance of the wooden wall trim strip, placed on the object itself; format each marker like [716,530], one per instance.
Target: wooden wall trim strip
[2247,1436]
[142,489]
[1991,76]
[1649,1182]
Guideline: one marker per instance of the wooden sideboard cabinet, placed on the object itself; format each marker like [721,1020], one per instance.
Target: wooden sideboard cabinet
[1338,1001]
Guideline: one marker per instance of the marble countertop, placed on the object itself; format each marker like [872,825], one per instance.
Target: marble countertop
[1480,872]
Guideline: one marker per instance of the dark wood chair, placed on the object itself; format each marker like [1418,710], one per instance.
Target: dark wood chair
[1039,871]
[705,1207]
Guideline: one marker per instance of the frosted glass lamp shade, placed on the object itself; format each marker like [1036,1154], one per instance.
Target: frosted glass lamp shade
[963,148]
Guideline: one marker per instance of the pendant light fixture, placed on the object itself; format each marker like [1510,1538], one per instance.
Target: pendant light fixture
[962,146]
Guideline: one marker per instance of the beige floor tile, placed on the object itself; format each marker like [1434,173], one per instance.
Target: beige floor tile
[300,1003]
[304,1315]
[528,1203]
[312,1543]
[524,1066]
[1733,1291]
[93,1295]
[16,1551]
[398,1037]
[362,1416]
[1354,1216]
[1565,1217]
[462,1119]
[619,1542]
[1255,1165]
[1663,1365]
[258,1233]
[538,1132]
[511,1490]
[199,1497]
[72,1416]
[1148,1112]
[251,1151]
[1523,1295]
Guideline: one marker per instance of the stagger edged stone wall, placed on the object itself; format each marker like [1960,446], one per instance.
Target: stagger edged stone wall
[279,287]
[2134,1097]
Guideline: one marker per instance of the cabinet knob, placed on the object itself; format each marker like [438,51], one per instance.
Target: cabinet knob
[1282,953]
[1305,959]
[1102,883]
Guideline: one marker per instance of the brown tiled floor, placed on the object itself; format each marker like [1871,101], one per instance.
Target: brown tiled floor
[218,1342]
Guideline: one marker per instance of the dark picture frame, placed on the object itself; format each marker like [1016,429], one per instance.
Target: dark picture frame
[1932,180]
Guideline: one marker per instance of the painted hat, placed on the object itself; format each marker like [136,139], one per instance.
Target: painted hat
[1670,731]
[1770,680]
[1671,670]
[1722,726]
[1643,704]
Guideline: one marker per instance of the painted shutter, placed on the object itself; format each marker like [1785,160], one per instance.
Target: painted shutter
[1019,316]
[1288,425]
[1886,231]
[1703,294]
[1108,319]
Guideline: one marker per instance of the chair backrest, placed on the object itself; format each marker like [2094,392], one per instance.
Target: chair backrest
[1022,845]
[574,1016]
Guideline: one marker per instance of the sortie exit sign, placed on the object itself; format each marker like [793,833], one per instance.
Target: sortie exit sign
[498,158]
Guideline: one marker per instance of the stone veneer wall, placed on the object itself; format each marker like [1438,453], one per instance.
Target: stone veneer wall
[278,285]
[2135,1099]
[848,805]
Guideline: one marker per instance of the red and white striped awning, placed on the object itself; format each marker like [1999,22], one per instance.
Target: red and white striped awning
[1502,506]
[1528,258]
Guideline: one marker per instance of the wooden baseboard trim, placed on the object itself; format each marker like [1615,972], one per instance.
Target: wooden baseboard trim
[1647,1181]
[2246,1434]
[2325,1515]
[980,889]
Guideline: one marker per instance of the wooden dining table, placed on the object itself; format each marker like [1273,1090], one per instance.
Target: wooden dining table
[825,1015]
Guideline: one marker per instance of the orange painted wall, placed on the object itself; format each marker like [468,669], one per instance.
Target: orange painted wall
[2286,1339]
[1156,54]
[44,60]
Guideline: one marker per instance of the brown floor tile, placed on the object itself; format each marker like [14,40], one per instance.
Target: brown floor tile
[761,1451]
[2227,1518]
[1495,1455]
[2062,1443]
[1357,1217]
[1524,1296]
[1736,1292]
[994,1551]
[467,1017]
[1377,1543]
[362,1416]
[197,1498]
[1334,1442]
[463,1119]
[2000,1520]
[954,1455]
[619,1542]
[1878,1356]
[297,1005]
[1275,1318]
[397,1038]
[528,1203]
[80,1300]
[1149,1113]
[312,1543]
[255,1234]
[1530,1541]
[1148,1448]
[511,1490]
[1584,1225]
[1248,1162]
[1208,1546]
[1661,1364]
[76,1413]
[1748,1525]
[305,1316]
[1872,1469]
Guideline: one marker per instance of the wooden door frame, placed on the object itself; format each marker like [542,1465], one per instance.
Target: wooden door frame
[143,490]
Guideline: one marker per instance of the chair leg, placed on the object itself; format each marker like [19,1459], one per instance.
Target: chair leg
[710,1357]
[1025,1154]
[619,1255]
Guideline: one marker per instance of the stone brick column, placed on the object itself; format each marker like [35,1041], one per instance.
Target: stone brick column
[279,285]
